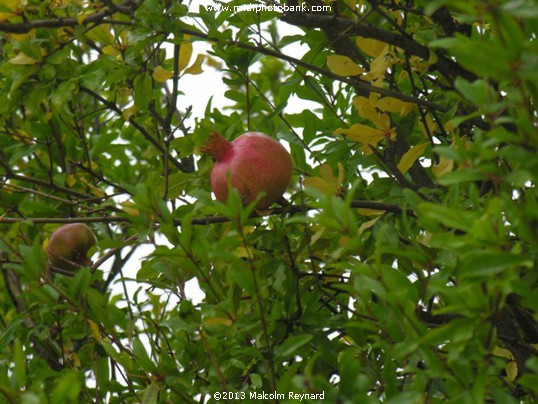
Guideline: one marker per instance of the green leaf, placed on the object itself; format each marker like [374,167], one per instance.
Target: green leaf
[479,92]
[67,388]
[151,395]
[450,217]
[242,276]
[142,91]
[19,360]
[291,345]
[471,53]
[488,263]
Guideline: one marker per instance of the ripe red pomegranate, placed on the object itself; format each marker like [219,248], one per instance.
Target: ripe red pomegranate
[255,163]
[68,247]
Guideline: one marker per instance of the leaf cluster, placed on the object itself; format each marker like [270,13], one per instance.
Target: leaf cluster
[402,269]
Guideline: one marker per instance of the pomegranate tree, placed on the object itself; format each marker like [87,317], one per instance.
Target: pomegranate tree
[68,247]
[254,163]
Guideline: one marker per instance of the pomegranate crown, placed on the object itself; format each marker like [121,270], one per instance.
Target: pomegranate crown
[217,145]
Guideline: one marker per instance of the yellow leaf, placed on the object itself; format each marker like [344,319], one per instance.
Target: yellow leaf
[213,63]
[98,192]
[431,125]
[409,158]
[196,67]
[348,340]
[6,16]
[70,180]
[317,235]
[425,238]
[511,366]
[127,113]
[93,165]
[82,16]
[382,121]
[318,183]
[340,173]
[327,181]
[343,66]
[218,321]
[101,34]
[378,67]
[398,16]
[362,133]
[21,37]
[130,209]
[368,224]
[369,212]
[433,58]
[185,53]
[391,104]
[95,330]
[12,6]
[22,59]
[367,135]
[445,166]
[160,74]
[417,64]
[111,51]
[372,47]
[326,172]
[75,359]
[243,252]
[366,108]
[511,371]
[503,353]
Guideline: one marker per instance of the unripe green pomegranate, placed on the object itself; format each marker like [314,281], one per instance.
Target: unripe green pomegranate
[68,247]
[254,162]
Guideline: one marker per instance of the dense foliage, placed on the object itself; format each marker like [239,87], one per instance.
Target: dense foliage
[403,268]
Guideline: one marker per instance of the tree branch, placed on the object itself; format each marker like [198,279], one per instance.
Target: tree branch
[447,67]
[112,106]
[127,7]
[214,219]
[349,80]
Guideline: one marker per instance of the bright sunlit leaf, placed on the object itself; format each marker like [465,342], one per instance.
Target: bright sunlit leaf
[111,51]
[343,66]
[185,53]
[429,127]
[369,212]
[127,113]
[82,16]
[412,155]
[160,74]
[70,180]
[327,181]
[368,224]
[22,59]
[378,67]
[96,333]
[372,47]
[391,104]
[196,67]
[9,8]
[445,166]
[362,133]
[366,135]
